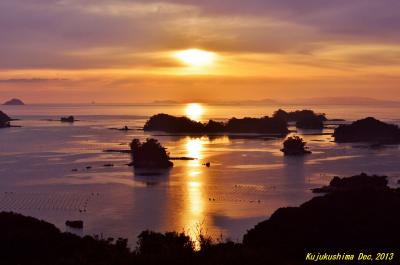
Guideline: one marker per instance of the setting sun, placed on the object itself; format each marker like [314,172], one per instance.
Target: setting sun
[194,111]
[195,57]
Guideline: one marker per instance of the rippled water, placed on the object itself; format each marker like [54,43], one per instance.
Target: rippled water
[43,170]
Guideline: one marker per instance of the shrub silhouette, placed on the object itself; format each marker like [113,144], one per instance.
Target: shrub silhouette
[168,247]
[294,145]
[150,154]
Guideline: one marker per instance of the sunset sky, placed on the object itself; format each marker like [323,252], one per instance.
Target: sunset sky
[131,51]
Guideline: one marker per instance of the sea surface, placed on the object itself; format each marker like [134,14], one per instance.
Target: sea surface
[56,171]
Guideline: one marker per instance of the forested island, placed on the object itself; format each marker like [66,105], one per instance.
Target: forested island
[295,145]
[368,130]
[277,124]
[304,119]
[149,154]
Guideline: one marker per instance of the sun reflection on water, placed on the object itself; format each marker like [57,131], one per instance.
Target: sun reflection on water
[194,147]
[195,197]
[194,188]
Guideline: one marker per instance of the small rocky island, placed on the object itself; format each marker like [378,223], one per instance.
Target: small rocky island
[304,119]
[70,119]
[368,130]
[14,102]
[4,120]
[173,124]
[295,145]
[149,154]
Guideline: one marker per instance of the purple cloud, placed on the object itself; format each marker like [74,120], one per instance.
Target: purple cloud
[57,34]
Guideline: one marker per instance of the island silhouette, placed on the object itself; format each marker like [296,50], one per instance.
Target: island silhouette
[149,154]
[172,124]
[15,102]
[304,119]
[368,130]
[4,120]
[277,124]
[295,145]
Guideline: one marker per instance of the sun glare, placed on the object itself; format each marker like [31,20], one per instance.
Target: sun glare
[195,57]
[194,111]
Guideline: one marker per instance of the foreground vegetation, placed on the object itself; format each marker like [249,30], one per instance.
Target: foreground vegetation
[357,214]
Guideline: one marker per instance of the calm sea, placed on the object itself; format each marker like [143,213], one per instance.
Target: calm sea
[56,171]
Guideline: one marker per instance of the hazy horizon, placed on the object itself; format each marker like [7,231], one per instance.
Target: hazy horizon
[263,101]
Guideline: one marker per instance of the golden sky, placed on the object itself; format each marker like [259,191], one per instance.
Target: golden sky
[140,51]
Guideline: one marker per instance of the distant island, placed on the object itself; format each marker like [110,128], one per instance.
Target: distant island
[173,124]
[14,102]
[368,130]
